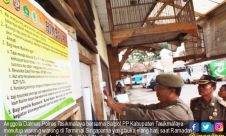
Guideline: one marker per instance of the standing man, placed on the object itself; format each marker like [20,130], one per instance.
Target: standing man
[118,88]
[170,106]
[222,94]
[207,107]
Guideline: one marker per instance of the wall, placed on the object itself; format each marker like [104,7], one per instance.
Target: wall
[74,60]
[101,44]
[102,54]
[87,89]
[214,27]
[93,60]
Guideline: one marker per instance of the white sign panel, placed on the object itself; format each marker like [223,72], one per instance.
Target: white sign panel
[35,69]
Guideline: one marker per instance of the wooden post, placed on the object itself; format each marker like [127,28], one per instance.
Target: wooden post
[113,64]
[97,95]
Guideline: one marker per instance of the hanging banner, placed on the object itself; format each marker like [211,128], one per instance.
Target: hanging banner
[217,68]
[35,70]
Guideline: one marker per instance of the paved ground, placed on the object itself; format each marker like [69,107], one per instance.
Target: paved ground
[147,96]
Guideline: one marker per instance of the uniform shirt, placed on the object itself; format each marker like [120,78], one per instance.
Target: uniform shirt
[173,111]
[222,101]
[211,111]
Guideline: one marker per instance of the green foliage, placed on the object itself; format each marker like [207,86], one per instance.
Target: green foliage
[141,57]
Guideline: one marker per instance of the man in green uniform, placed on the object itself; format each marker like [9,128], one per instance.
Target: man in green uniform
[170,106]
[207,106]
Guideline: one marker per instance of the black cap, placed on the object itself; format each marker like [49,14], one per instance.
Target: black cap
[205,79]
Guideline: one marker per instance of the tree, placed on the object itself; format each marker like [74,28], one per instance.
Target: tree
[142,57]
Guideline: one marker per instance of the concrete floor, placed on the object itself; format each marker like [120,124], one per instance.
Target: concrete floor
[147,96]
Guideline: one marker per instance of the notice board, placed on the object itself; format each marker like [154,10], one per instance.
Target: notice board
[35,70]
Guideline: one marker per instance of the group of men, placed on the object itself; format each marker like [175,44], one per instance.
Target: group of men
[171,107]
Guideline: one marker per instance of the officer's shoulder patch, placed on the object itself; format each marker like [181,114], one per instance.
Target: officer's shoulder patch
[171,106]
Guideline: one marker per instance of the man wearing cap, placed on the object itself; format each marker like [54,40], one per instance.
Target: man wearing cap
[170,106]
[207,107]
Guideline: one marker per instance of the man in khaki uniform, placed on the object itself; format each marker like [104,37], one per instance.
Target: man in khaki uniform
[170,106]
[207,106]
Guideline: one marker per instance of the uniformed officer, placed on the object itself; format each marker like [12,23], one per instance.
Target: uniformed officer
[222,95]
[207,106]
[170,106]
